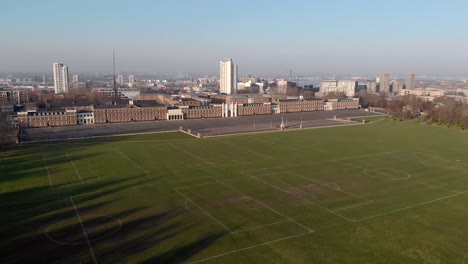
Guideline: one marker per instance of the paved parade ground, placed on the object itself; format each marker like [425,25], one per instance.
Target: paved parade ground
[213,126]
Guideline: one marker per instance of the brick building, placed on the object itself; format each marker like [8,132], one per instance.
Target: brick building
[130,113]
[253,109]
[342,104]
[196,112]
[47,118]
[300,105]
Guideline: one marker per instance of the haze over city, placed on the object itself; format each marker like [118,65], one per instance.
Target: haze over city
[311,37]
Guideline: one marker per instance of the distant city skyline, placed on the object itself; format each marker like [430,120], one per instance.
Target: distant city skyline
[311,37]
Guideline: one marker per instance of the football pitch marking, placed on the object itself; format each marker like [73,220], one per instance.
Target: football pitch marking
[322,161]
[266,206]
[208,214]
[411,206]
[84,230]
[74,167]
[47,169]
[300,198]
[287,219]
[261,226]
[251,151]
[85,242]
[380,171]
[411,180]
[131,161]
[191,154]
[251,247]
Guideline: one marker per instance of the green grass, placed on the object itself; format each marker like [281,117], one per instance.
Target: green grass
[387,192]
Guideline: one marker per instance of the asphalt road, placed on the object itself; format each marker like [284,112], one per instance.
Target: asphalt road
[213,126]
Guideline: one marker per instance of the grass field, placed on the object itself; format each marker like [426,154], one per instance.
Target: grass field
[385,192]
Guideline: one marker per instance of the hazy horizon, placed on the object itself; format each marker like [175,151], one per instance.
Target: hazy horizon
[362,37]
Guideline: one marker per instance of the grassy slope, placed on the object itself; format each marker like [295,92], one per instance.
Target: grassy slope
[131,178]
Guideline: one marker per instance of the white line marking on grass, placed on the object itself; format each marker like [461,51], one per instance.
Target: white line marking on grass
[188,208]
[411,180]
[326,185]
[84,230]
[322,161]
[352,206]
[266,206]
[298,197]
[244,149]
[190,179]
[134,164]
[47,169]
[246,248]
[412,206]
[193,186]
[191,154]
[74,167]
[257,227]
[379,171]
[208,214]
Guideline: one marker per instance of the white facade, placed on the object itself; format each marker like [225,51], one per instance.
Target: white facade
[60,78]
[85,118]
[75,78]
[120,79]
[346,87]
[229,109]
[228,77]
[175,114]
[131,80]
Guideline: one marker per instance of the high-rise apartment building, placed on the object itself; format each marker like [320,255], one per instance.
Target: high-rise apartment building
[228,77]
[396,87]
[75,84]
[60,78]
[384,83]
[371,86]
[131,80]
[410,81]
[120,80]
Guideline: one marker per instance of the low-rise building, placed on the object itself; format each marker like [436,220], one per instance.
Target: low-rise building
[300,105]
[130,113]
[196,112]
[253,109]
[47,118]
[341,104]
[84,117]
[422,92]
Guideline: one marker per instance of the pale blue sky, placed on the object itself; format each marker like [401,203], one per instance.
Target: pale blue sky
[333,36]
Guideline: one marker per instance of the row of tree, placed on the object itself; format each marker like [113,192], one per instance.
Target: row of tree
[443,111]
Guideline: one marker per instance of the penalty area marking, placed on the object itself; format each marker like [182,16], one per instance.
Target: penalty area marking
[381,171]
[47,231]
[251,247]
[131,161]
[191,154]
[74,167]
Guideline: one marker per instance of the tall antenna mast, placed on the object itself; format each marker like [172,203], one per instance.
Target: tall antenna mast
[115,83]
